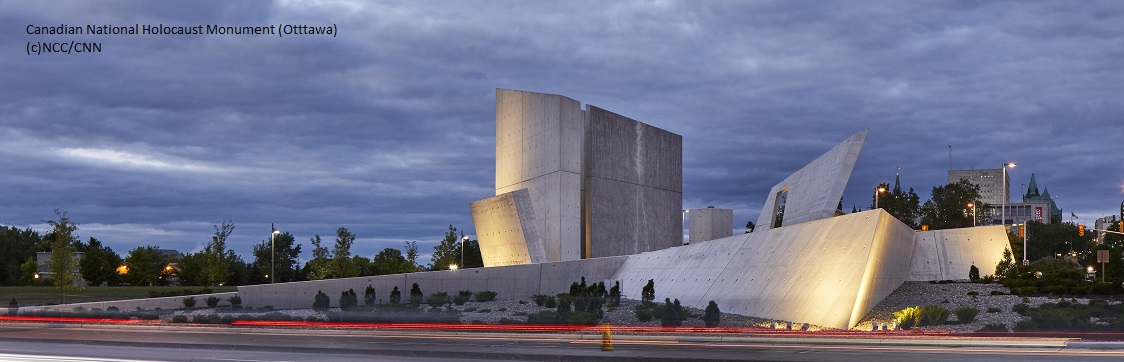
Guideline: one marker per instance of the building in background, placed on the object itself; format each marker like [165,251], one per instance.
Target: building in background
[1035,206]
[990,181]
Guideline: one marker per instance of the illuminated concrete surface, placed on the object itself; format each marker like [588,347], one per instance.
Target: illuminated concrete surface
[709,224]
[949,254]
[505,226]
[144,303]
[814,190]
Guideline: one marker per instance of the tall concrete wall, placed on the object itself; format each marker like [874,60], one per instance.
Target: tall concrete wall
[539,142]
[813,192]
[709,224]
[949,254]
[635,186]
[505,225]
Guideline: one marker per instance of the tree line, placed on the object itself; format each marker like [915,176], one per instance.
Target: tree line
[217,264]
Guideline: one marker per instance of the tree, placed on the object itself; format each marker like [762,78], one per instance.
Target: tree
[749,225]
[16,247]
[193,269]
[145,265]
[447,251]
[63,265]
[341,254]
[471,257]
[904,206]
[217,257]
[321,266]
[412,254]
[948,207]
[283,256]
[713,315]
[99,266]
[648,293]
[391,261]
[362,265]
[780,217]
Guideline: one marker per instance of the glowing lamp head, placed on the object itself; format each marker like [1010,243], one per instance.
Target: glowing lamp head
[453,267]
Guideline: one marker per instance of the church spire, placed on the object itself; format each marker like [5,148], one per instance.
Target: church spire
[898,181]
[1032,190]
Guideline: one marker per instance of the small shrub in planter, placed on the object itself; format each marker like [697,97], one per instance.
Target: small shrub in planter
[973,293]
[713,315]
[486,296]
[540,299]
[349,300]
[966,314]
[395,296]
[935,314]
[437,299]
[369,296]
[996,292]
[974,273]
[462,297]
[321,302]
[994,310]
[235,300]
[550,302]
[1020,308]
[908,318]
[485,310]
[179,318]
[188,302]
[212,301]
[416,295]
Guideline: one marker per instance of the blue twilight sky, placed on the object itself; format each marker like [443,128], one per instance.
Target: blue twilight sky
[388,128]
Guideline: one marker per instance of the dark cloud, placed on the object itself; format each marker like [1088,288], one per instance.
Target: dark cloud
[388,129]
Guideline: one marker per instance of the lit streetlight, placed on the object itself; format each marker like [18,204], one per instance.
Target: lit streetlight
[972,205]
[453,267]
[272,253]
[1003,195]
[877,191]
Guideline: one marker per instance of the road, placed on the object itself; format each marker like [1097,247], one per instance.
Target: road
[72,342]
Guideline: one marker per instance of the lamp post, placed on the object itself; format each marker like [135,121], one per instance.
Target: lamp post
[877,191]
[272,253]
[1003,195]
[972,205]
[463,239]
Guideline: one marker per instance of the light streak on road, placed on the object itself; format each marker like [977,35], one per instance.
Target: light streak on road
[41,358]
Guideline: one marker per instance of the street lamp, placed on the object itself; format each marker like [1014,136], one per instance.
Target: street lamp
[1003,195]
[272,253]
[463,239]
[972,205]
[877,191]
[453,267]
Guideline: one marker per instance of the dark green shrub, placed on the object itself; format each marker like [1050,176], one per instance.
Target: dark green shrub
[206,319]
[188,302]
[1057,289]
[437,299]
[974,273]
[1064,304]
[416,295]
[713,315]
[986,279]
[643,313]
[582,318]
[994,327]
[349,300]
[565,301]
[908,318]
[369,296]
[615,295]
[543,317]
[212,301]
[973,293]
[486,296]
[179,318]
[935,315]
[550,302]
[149,316]
[1026,290]
[996,292]
[648,294]
[321,302]
[13,303]
[226,319]
[994,310]
[115,309]
[520,314]
[966,314]
[671,314]
[235,300]
[463,296]
[395,296]
[1020,308]
[539,299]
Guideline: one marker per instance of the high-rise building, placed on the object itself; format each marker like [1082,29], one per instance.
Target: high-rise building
[990,181]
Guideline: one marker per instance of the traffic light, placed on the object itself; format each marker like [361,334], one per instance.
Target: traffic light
[1022,230]
[1081,230]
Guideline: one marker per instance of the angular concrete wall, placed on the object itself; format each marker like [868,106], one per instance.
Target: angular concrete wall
[815,189]
[539,142]
[634,186]
[949,254]
[505,225]
[828,272]
[709,224]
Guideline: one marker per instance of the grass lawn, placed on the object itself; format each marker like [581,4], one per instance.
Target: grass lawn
[41,295]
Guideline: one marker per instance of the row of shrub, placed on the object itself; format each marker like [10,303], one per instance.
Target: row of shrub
[211,301]
[349,300]
[1065,315]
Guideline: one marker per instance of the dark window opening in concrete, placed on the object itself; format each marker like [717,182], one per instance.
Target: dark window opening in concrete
[778,207]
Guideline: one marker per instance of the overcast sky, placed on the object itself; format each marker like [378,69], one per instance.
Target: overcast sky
[388,128]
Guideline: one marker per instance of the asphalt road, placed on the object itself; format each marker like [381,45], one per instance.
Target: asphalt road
[71,342]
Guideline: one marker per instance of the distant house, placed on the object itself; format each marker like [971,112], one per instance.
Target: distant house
[43,267]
